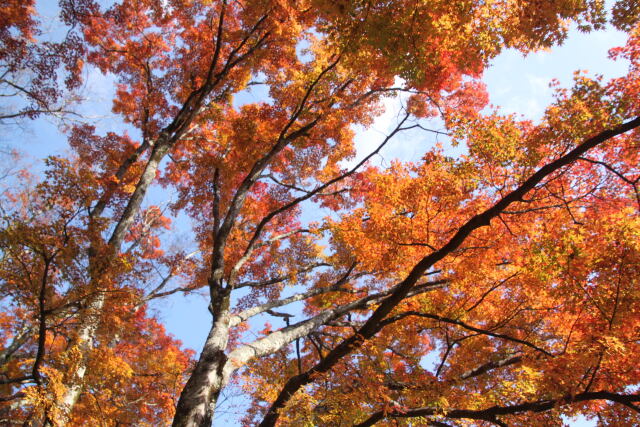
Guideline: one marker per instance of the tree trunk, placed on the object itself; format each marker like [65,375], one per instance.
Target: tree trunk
[199,396]
[98,267]
[84,345]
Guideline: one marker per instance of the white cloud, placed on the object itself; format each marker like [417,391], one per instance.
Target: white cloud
[367,140]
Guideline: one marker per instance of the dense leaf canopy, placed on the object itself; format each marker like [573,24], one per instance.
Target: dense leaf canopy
[514,264]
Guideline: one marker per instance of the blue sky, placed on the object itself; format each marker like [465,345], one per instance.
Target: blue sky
[517,84]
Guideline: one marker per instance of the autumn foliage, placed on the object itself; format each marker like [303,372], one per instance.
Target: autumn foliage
[497,286]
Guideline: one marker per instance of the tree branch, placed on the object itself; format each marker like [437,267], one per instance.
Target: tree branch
[317,190]
[491,413]
[246,314]
[280,279]
[278,339]
[465,326]
[373,324]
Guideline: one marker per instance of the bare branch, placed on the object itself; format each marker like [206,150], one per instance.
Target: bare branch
[245,257]
[21,337]
[490,366]
[465,326]
[280,279]
[278,339]
[246,314]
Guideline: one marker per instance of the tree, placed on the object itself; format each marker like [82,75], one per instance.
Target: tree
[29,66]
[516,262]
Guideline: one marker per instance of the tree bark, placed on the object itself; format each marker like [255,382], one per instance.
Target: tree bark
[199,396]
[84,344]
[89,325]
